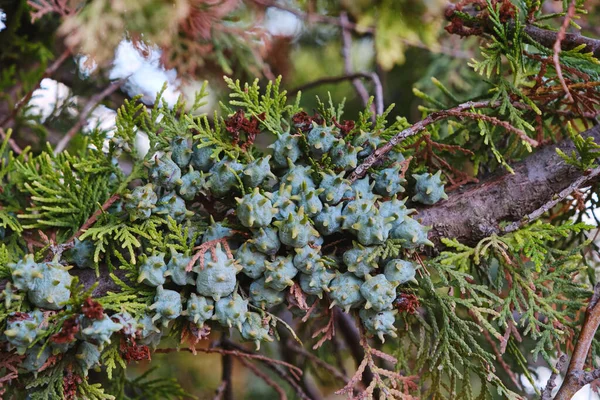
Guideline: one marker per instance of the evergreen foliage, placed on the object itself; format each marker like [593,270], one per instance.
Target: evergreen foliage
[233,219]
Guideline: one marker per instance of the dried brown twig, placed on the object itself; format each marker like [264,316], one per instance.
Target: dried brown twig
[280,391]
[391,384]
[85,112]
[328,331]
[208,246]
[47,73]
[557,49]
[460,111]
[236,353]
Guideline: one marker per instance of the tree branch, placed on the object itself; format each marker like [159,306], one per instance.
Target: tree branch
[576,378]
[329,79]
[47,73]
[360,88]
[227,366]
[85,112]
[352,338]
[475,211]
[459,111]
[547,392]
[545,37]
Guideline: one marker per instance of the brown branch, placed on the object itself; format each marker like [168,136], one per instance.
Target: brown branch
[570,41]
[240,353]
[85,112]
[227,366]
[576,184]
[575,378]
[557,49]
[475,211]
[220,390]
[317,361]
[291,375]
[92,220]
[310,17]
[360,88]
[47,73]
[545,37]
[329,79]
[265,378]
[495,121]
[547,392]
[351,335]
[361,170]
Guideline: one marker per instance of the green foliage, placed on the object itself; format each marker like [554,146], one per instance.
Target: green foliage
[163,123]
[113,233]
[507,42]
[270,107]
[111,359]
[64,192]
[134,300]
[586,151]
[48,384]
[535,240]
[448,341]
[527,276]
[144,387]
[518,294]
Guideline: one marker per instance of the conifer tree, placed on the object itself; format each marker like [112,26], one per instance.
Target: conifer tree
[441,254]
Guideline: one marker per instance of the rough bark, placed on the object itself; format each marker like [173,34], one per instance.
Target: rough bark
[475,211]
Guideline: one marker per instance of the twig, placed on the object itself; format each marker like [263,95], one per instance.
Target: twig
[85,112]
[323,19]
[570,41]
[236,353]
[291,376]
[204,247]
[499,358]
[495,121]
[576,184]
[92,220]
[330,79]
[398,387]
[545,37]
[352,338]
[418,127]
[264,377]
[360,88]
[227,366]
[220,391]
[556,56]
[573,379]
[47,73]
[378,92]
[330,368]
[547,392]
